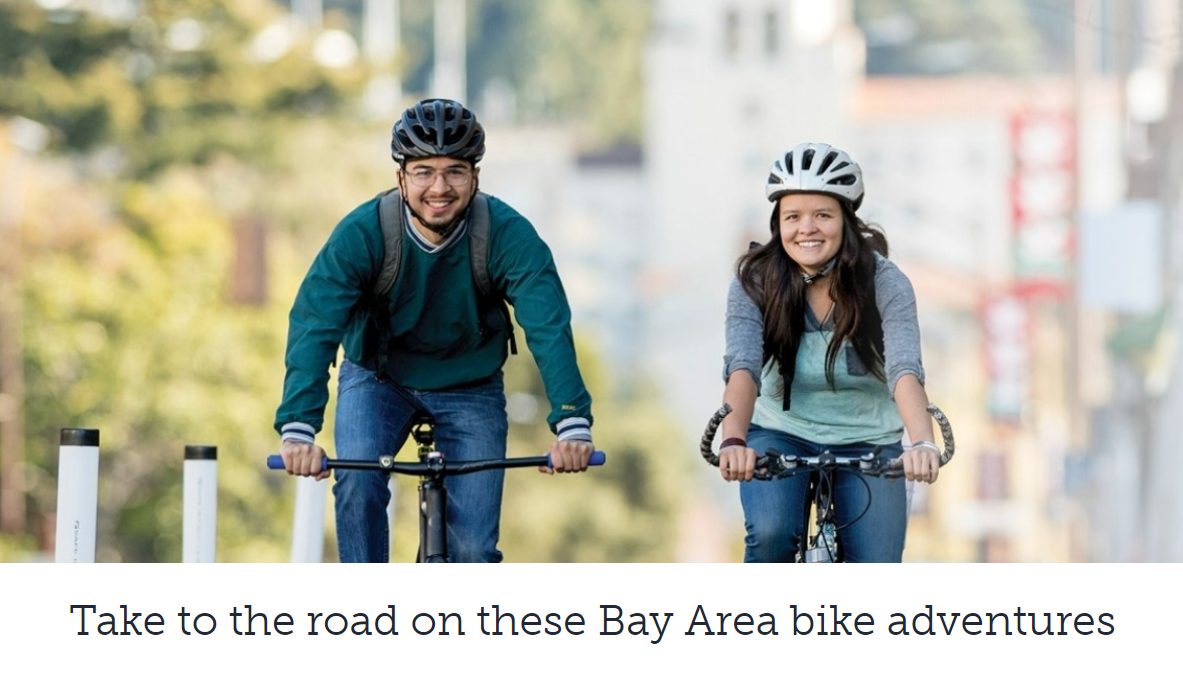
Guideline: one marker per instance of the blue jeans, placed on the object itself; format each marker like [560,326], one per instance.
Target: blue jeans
[373,420]
[775,512]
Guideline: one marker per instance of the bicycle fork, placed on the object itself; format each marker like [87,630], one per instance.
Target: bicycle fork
[822,546]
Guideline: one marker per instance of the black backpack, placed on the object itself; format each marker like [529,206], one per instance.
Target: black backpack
[390,217]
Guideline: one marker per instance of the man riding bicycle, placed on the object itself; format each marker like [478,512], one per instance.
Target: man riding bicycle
[436,342]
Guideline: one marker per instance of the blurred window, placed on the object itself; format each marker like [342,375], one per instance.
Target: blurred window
[771,32]
[731,32]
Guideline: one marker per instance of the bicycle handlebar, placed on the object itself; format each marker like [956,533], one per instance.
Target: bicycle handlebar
[386,463]
[776,465]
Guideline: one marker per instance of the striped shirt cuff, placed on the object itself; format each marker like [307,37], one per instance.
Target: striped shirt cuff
[298,431]
[574,429]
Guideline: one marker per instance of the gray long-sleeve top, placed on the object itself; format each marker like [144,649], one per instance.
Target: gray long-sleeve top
[860,408]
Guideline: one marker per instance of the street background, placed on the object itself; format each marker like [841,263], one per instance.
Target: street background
[168,170]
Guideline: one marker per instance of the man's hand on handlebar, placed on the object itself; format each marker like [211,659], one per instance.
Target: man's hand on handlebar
[737,463]
[304,459]
[568,456]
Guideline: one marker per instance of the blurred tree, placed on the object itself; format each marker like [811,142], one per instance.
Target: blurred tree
[185,112]
[128,331]
[591,65]
[927,37]
[170,82]
[171,125]
[576,60]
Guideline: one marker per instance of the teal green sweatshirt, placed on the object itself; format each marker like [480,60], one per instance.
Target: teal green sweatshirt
[438,338]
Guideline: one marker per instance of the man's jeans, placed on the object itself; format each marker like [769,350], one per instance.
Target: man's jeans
[775,512]
[373,420]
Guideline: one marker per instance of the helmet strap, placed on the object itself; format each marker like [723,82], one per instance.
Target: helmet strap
[822,273]
[443,231]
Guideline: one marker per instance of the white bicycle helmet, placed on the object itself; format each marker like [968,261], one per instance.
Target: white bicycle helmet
[816,168]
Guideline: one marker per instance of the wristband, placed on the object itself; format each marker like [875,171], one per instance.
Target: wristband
[733,441]
[926,444]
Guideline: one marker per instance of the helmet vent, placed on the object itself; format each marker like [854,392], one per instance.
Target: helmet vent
[827,161]
[437,128]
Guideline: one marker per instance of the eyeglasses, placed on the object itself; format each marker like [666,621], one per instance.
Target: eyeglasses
[453,176]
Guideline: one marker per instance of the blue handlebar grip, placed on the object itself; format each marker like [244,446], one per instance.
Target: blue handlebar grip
[276,462]
[596,459]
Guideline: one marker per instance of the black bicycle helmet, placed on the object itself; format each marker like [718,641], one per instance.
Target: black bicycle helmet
[437,127]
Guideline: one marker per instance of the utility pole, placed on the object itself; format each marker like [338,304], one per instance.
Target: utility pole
[448,80]
[1083,60]
[1082,66]
[309,14]
[381,37]
[380,31]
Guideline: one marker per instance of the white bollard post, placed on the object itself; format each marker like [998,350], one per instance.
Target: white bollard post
[78,496]
[308,525]
[200,497]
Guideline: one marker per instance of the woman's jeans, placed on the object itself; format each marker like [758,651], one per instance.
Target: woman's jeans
[373,420]
[775,512]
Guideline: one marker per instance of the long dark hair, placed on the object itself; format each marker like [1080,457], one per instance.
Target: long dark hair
[774,281]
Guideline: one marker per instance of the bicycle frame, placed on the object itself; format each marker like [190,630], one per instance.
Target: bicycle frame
[432,468]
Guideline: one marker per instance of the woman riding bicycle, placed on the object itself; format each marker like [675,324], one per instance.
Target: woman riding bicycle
[823,353]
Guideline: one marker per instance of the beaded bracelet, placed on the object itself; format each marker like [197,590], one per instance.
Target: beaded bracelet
[733,441]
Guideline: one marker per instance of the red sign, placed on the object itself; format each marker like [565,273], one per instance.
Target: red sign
[1006,332]
[1043,199]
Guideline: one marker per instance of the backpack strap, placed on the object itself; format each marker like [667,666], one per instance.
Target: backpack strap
[479,223]
[788,369]
[478,243]
[390,217]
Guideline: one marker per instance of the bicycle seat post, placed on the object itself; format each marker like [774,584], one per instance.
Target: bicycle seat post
[422,429]
[433,544]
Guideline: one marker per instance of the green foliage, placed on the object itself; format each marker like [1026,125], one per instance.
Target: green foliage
[591,63]
[572,60]
[129,326]
[129,332]
[925,37]
[177,83]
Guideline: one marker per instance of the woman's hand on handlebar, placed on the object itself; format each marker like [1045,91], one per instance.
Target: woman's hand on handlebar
[737,463]
[303,459]
[568,456]
[921,463]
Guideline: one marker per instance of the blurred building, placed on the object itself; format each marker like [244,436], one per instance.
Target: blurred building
[728,85]
[1129,475]
[981,184]
[592,210]
[974,181]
